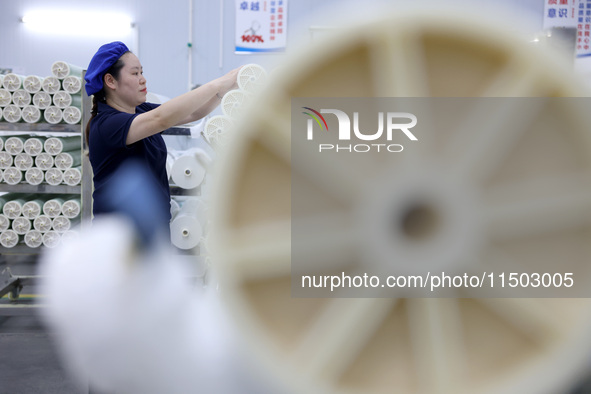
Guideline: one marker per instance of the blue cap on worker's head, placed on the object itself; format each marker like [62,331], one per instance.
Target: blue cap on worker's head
[103,59]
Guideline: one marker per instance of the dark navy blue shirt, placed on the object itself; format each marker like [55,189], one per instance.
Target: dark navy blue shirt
[107,151]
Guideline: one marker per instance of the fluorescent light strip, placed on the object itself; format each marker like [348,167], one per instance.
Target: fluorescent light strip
[77,22]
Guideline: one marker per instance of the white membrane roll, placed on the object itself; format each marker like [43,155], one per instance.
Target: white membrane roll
[32,83]
[233,102]
[50,85]
[5,160]
[187,170]
[21,225]
[186,229]
[61,70]
[51,239]
[9,238]
[2,143]
[216,129]
[71,209]
[42,223]
[12,113]
[5,97]
[44,161]
[72,115]
[34,176]
[21,97]
[12,82]
[251,77]
[32,208]
[61,99]
[42,100]
[61,224]
[56,145]
[31,114]
[66,160]
[33,238]
[69,236]
[53,207]
[174,208]
[53,115]
[13,208]
[33,146]
[14,145]
[72,84]
[13,176]
[4,222]
[72,176]
[54,176]
[23,161]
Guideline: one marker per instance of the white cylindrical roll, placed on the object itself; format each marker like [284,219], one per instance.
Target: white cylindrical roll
[54,176]
[5,97]
[4,222]
[187,171]
[44,161]
[187,227]
[61,224]
[216,129]
[33,238]
[72,84]
[23,161]
[233,102]
[66,160]
[34,176]
[31,114]
[62,69]
[32,208]
[51,239]
[21,225]
[14,145]
[21,97]
[42,100]
[61,99]
[56,145]
[53,115]
[50,85]
[12,176]
[251,77]
[13,208]
[72,176]
[12,82]
[52,208]
[42,223]
[32,84]
[174,208]
[5,160]
[12,113]
[71,209]
[9,238]
[33,146]
[72,115]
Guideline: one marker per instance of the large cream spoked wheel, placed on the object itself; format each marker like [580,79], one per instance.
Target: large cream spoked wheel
[412,345]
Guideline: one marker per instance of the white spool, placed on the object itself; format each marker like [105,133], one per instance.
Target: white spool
[9,238]
[61,224]
[23,161]
[5,97]
[33,146]
[216,130]
[54,176]
[33,238]
[252,77]
[21,225]
[42,100]
[53,115]
[187,170]
[5,160]
[71,209]
[31,114]
[21,97]
[72,84]
[13,175]
[44,161]
[12,113]
[53,207]
[14,145]
[12,82]
[66,160]
[34,176]
[13,208]
[4,222]
[186,229]
[32,208]
[233,102]
[42,223]
[72,176]
[61,99]
[61,70]
[72,115]
[51,239]
[50,85]
[56,145]
[32,84]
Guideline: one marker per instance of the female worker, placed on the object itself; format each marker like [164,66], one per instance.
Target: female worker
[124,126]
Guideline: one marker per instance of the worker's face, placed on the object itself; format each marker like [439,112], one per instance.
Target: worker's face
[131,85]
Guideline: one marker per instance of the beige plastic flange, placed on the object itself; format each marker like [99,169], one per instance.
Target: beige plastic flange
[413,345]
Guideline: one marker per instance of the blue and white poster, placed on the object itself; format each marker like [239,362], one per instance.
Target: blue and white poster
[261,26]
